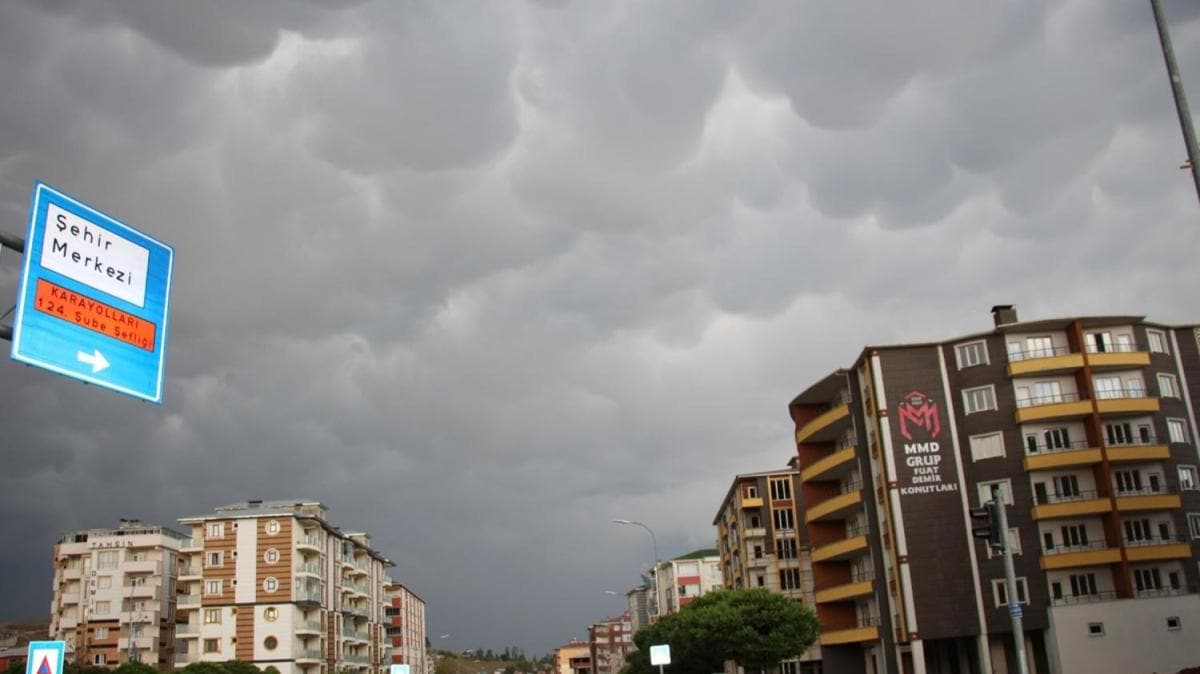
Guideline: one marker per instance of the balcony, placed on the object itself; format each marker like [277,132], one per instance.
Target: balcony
[141,566]
[308,595]
[190,572]
[830,467]
[1090,554]
[191,545]
[1083,599]
[1127,356]
[308,656]
[1083,503]
[187,601]
[187,630]
[1055,360]
[71,573]
[837,507]
[847,548]
[1155,548]
[308,569]
[1125,401]
[1154,593]
[826,427]
[1143,451]
[308,627]
[855,635]
[1149,498]
[309,542]
[752,502]
[1079,453]
[68,598]
[354,635]
[1052,407]
[141,591]
[844,592]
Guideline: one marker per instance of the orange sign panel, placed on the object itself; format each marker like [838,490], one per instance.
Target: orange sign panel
[96,316]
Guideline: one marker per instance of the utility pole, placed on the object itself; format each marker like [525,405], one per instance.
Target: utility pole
[1010,582]
[1181,104]
[18,244]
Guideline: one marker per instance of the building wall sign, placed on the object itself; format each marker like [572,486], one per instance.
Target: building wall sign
[920,426]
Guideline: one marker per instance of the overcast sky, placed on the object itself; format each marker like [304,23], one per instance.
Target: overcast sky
[482,277]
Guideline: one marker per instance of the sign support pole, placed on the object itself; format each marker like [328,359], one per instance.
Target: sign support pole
[1010,582]
[18,244]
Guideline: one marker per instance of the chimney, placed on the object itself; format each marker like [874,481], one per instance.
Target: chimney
[1003,314]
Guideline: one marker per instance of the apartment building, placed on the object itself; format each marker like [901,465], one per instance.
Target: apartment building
[638,599]
[609,643]
[573,658]
[276,584]
[679,581]
[763,543]
[1085,426]
[113,594]
[404,615]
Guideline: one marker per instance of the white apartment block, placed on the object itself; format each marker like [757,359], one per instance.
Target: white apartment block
[113,593]
[679,581]
[275,584]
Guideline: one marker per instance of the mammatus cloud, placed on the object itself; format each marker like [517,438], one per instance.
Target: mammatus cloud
[483,278]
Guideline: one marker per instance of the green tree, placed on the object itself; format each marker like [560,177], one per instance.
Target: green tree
[135,668]
[756,628]
[17,666]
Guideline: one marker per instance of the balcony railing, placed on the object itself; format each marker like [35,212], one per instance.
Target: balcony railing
[1052,399]
[1030,354]
[1118,393]
[845,442]
[847,487]
[860,575]
[1083,495]
[856,529]
[867,621]
[1143,491]
[1155,540]
[1114,348]
[1140,441]
[1048,449]
[187,600]
[1078,547]
[1083,598]
[1160,592]
[309,568]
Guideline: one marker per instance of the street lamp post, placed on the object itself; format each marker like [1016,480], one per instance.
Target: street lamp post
[654,541]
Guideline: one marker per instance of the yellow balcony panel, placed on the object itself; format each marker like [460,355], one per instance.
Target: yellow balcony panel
[1127,405]
[1068,560]
[834,508]
[1053,460]
[827,468]
[1111,359]
[1148,502]
[755,502]
[855,635]
[1064,363]
[1063,410]
[1139,453]
[844,592]
[826,427]
[843,549]
[1091,506]
[1147,553]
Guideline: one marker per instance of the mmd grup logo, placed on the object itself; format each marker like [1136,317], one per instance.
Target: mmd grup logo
[918,410]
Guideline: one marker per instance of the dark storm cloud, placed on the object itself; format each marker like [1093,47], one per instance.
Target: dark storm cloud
[484,277]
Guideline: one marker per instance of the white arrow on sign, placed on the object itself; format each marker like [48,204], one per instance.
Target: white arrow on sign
[95,359]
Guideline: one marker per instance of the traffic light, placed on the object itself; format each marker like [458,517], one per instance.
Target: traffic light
[988,526]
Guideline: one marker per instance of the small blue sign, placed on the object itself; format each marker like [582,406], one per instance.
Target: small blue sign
[94,297]
[45,657]
[1014,610]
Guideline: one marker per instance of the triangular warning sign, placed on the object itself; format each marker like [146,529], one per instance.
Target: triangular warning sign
[44,668]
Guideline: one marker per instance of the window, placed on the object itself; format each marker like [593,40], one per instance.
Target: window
[1128,481]
[270,614]
[1187,478]
[1173,623]
[979,399]
[103,608]
[212,587]
[215,530]
[100,659]
[1066,486]
[1177,430]
[272,527]
[212,616]
[1095,629]
[1157,339]
[971,354]
[1074,536]
[1168,386]
[271,556]
[988,446]
[789,579]
[786,548]
[107,559]
[1147,580]
[1194,525]
[101,632]
[751,491]
[1083,584]
[1108,387]
[784,519]
[270,584]
[1000,591]
[1137,531]
[104,582]
[212,645]
[214,559]
[760,580]
[781,490]
[985,491]
[270,643]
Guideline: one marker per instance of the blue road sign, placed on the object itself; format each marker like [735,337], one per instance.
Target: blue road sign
[45,657]
[94,297]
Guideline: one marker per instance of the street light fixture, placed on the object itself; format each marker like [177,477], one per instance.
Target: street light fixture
[654,541]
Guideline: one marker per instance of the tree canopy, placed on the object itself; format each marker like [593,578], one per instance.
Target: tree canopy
[757,628]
